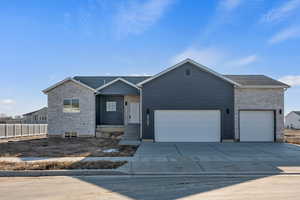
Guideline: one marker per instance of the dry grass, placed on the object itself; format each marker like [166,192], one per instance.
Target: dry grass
[60,165]
[292,136]
[41,146]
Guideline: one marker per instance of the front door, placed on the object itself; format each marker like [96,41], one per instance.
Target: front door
[134,113]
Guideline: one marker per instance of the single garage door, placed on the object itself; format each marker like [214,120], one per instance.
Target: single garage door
[187,125]
[256,126]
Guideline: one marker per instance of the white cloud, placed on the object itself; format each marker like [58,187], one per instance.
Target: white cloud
[245,60]
[213,57]
[136,17]
[291,80]
[7,102]
[289,33]
[278,14]
[205,56]
[229,4]
[7,105]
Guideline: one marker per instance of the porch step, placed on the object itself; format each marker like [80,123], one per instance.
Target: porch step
[110,128]
[130,142]
[131,132]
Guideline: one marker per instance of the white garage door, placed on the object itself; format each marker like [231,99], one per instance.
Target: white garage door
[187,125]
[256,126]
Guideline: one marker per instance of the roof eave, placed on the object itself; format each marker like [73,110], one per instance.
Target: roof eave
[265,86]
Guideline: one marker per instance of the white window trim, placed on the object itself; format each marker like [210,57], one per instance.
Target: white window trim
[71,109]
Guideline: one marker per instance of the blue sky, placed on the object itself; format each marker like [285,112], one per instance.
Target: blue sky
[43,42]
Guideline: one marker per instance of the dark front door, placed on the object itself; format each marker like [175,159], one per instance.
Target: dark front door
[111,110]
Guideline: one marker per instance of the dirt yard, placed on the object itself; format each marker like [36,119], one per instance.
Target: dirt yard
[41,146]
[60,165]
[292,136]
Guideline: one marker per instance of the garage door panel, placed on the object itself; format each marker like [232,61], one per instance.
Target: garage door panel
[187,125]
[256,126]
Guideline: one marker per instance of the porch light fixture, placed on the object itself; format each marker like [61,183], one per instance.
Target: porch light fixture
[148,116]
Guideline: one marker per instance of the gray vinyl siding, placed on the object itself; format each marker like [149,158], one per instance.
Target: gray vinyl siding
[119,88]
[109,118]
[200,90]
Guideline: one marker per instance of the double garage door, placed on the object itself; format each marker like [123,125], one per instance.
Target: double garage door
[187,125]
[205,126]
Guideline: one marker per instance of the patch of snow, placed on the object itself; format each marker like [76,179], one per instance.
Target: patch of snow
[110,150]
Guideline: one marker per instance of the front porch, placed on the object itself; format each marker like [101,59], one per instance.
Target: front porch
[118,110]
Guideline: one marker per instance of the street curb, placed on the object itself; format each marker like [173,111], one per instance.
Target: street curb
[215,173]
[116,172]
[80,172]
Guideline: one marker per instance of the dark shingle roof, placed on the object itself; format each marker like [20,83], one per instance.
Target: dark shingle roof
[255,80]
[97,81]
[245,80]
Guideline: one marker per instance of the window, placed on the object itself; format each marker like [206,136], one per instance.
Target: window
[70,134]
[111,106]
[36,117]
[71,105]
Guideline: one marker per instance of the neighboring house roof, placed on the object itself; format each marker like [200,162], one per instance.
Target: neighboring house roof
[194,63]
[296,112]
[44,108]
[256,80]
[96,82]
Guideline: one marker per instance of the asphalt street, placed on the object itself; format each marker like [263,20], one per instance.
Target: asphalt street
[151,187]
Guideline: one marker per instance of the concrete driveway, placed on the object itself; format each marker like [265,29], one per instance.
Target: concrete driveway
[216,158]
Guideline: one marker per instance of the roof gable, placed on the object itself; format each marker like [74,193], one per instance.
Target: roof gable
[67,80]
[116,80]
[206,69]
[98,81]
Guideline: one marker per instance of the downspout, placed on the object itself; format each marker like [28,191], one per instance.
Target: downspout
[95,96]
[141,113]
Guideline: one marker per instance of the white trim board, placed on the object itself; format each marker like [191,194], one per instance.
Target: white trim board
[116,80]
[262,86]
[64,81]
[188,60]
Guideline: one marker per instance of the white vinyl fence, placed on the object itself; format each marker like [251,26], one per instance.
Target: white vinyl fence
[17,130]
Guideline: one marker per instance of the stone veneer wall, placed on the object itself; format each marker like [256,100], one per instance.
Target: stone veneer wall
[260,99]
[83,122]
